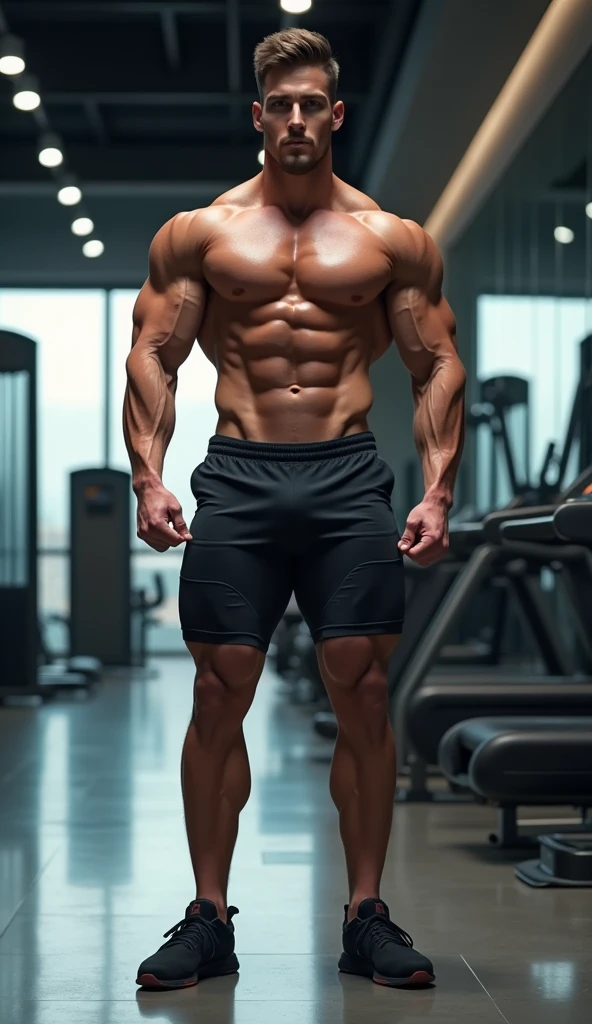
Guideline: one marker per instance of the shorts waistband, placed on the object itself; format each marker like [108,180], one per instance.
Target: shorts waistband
[220,444]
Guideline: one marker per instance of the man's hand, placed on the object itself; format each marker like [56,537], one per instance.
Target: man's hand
[157,507]
[425,539]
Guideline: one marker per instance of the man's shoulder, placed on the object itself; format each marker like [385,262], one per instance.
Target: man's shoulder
[403,235]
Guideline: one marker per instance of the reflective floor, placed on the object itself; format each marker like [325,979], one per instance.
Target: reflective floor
[94,868]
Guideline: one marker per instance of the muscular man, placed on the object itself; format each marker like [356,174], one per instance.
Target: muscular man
[294,283]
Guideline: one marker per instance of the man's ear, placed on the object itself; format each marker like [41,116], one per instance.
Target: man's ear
[257,113]
[338,115]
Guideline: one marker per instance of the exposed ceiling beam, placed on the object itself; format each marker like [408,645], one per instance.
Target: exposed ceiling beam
[170,37]
[160,99]
[73,10]
[551,56]
[122,189]
[139,161]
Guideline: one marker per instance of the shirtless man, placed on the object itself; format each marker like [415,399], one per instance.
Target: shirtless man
[294,283]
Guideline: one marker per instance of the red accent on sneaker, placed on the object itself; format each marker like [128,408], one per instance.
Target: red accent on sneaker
[196,908]
[379,908]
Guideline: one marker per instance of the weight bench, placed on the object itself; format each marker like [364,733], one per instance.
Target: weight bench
[512,762]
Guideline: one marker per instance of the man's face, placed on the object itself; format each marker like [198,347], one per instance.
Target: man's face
[297,117]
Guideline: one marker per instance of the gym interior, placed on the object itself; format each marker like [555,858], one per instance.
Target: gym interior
[475,120]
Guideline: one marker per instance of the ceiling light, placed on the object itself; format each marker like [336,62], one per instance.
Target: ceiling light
[563,235]
[295,6]
[69,195]
[50,151]
[82,226]
[12,55]
[589,210]
[26,92]
[93,248]
[261,157]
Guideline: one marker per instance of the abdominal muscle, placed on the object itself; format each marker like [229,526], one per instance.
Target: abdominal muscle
[295,379]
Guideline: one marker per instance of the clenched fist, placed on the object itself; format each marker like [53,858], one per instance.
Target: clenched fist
[425,539]
[157,508]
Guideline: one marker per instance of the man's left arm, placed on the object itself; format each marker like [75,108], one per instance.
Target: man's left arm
[424,331]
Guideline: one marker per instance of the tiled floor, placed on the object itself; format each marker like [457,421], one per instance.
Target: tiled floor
[94,868]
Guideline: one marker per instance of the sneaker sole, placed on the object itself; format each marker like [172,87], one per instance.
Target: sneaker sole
[347,965]
[214,970]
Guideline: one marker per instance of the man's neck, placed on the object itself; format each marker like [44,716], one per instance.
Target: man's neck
[298,194]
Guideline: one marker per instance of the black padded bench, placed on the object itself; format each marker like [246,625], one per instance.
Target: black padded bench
[520,761]
[441,704]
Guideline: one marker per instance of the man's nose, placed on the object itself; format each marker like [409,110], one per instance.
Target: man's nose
[296,118]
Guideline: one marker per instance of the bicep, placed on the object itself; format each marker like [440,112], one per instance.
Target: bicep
[166,320]
[423,327]
[169,309]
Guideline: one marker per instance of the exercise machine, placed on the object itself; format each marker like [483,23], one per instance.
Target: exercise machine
[427,704]
[21,675]
[546,758]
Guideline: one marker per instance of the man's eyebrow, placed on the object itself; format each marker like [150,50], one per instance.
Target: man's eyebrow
[288,96]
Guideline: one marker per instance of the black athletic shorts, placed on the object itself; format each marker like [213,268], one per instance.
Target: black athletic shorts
[272,519]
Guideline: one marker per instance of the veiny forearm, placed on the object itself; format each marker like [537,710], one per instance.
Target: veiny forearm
[438,426]
[148,415]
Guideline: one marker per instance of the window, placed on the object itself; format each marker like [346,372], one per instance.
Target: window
[69,328]
[536,338]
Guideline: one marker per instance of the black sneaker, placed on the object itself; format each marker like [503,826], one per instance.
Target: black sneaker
[376,948]
[202,946]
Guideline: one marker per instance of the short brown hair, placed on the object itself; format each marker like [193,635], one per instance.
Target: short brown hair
[293,47]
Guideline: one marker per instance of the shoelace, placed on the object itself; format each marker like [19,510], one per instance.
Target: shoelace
[384,931]
[190,932]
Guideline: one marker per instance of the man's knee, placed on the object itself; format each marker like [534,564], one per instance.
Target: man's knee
[225,684]
[355,674]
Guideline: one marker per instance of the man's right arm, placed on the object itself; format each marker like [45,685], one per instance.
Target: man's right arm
[166,319]
[167,316]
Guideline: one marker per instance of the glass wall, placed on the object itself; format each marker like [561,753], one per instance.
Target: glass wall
[82,337]
[536,338]
[520,281]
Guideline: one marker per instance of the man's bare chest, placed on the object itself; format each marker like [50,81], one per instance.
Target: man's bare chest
[330,258]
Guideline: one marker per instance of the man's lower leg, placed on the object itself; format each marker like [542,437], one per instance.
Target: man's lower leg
[216,785]
[363,778]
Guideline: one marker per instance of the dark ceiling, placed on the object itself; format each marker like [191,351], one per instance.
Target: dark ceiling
[145,91]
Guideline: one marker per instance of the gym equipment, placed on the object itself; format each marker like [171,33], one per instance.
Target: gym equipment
[20,674]
[141,605]
[564,861]
[504,408]
[282,652]
[429,705]
[513,761]
[100,583]
[18,519]
[490,560]
[88,667]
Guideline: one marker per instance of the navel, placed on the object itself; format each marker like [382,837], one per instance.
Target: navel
[357,298]
[238,291]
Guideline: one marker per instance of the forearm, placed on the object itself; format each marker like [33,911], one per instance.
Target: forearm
[148,415]
[438,427]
